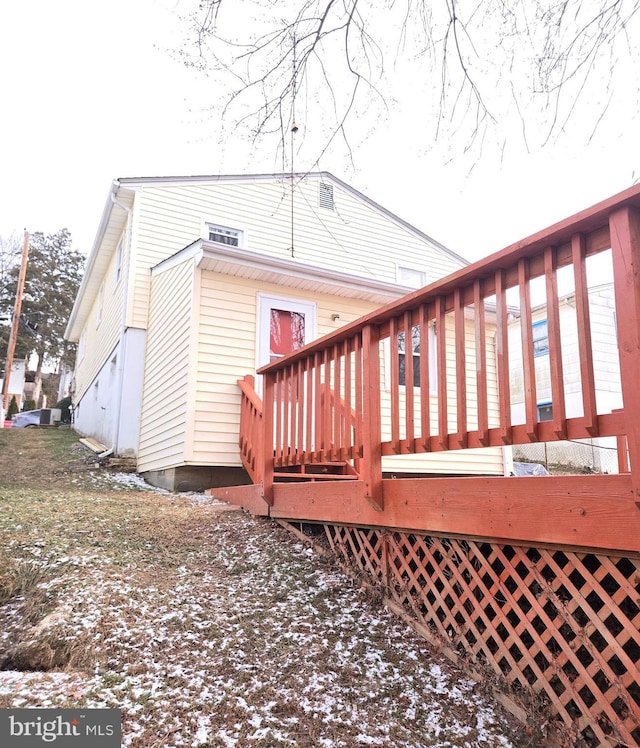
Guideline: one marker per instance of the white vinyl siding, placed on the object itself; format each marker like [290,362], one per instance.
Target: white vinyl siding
[606,366]
[164,419]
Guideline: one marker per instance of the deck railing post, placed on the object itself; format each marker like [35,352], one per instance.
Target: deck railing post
[268,437]
[624,226]
[371,422]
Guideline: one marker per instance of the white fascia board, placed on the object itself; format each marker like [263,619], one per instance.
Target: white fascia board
[95,267]
[189,252]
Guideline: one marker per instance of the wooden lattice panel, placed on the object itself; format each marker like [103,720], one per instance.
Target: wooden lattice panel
[556,622]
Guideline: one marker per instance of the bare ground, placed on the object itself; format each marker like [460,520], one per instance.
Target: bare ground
[205,626]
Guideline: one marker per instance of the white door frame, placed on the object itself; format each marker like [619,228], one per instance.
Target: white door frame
[267,302]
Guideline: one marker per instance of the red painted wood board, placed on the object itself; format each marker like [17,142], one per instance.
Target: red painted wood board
[596,511]
[248,497]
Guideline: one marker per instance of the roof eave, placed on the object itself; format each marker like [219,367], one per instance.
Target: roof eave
[243,263]
[141,181]
[77,318]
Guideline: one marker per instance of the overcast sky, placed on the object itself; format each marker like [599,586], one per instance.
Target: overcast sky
[90,93]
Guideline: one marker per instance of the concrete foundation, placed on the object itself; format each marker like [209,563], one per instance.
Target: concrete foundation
[196,478]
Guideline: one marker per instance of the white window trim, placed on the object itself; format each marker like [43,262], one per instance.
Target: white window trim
[433,369]
[82,344]
[117,275]
[100,304]
[421,271]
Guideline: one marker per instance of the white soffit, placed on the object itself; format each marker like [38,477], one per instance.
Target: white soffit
[241,263]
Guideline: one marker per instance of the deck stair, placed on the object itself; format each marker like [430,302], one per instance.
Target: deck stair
[315,471]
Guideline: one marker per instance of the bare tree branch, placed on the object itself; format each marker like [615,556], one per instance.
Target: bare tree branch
[477,62]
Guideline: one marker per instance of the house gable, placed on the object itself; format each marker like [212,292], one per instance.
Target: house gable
[174,255]
[162,215]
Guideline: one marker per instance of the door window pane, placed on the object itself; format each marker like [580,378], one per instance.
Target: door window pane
[286,333]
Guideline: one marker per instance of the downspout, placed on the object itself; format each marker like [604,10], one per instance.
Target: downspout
[123,323]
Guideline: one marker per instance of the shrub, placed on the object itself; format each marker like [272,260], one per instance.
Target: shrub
[29,405]
[13,408]
[65,409]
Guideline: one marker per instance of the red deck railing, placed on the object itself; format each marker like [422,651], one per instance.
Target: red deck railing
[454,340]
[251,430]
[535,578]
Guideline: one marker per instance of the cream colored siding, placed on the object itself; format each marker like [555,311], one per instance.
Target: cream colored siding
[488,461]
[201,326]
[101,338]
[227,351]
[471,461]
[355,238]
[165,398]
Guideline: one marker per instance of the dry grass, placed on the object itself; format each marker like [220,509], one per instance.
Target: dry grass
[207,627]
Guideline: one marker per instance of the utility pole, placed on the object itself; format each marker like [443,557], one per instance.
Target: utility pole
[15,324]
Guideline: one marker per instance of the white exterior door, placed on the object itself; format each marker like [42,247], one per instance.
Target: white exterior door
[284,325]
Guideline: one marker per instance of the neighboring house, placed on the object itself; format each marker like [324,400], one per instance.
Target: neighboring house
[16,381]
[599,455]
[194,282]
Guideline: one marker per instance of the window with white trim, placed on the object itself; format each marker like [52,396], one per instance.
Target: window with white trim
[540,338]
[118,270]
[82,343]
[411,277]
[225,235]
[415,358]
[100,303]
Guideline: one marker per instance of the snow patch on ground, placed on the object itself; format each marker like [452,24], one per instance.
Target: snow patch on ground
[250,640]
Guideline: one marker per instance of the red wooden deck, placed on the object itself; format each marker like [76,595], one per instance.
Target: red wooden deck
[539,577]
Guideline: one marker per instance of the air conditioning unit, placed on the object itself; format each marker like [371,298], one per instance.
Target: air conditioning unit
[50,416]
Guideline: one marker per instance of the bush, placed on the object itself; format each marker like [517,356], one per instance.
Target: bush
[65,409]
[29,405]
[13,408]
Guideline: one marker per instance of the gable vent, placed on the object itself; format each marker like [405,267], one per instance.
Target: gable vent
[325,195]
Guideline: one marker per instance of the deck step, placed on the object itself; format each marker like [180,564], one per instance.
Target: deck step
[312,476]
[316,471]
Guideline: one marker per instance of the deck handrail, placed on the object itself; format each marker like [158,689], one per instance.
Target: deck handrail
[460,325]
[251,429]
